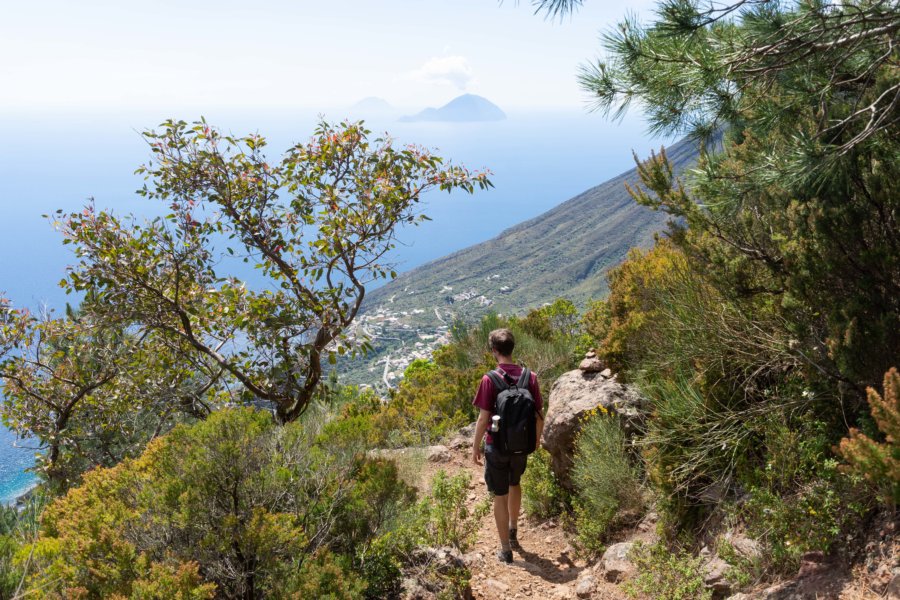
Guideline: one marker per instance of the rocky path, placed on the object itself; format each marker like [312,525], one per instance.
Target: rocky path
[544,566]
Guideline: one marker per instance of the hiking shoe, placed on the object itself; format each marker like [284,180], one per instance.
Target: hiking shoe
[514,538]
[504,556]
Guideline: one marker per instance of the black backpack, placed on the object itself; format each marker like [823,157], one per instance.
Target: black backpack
[518,420]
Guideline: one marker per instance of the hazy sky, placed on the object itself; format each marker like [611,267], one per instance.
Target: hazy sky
[59,55]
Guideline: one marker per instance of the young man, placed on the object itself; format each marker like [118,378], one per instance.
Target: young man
[502,473]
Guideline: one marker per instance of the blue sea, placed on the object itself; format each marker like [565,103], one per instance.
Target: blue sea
[58,161]
[14,459]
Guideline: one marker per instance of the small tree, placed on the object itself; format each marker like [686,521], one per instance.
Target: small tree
[317,225]
[90,395]
[62,363]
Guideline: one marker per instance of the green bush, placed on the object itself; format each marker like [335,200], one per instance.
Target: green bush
[321,576]
[608,491]
[664,574]
[443,519]
[800,500]
[251,504]
[541,494]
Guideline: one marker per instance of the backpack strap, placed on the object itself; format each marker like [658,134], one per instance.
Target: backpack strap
[498,381]
[524,379]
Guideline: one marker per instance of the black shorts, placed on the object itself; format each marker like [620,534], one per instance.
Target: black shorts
[502,471]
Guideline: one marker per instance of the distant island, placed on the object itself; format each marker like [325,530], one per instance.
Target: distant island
[373,106]
[467,107]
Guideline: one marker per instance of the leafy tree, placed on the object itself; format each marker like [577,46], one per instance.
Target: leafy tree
[317,225]
[62,363]
[90,394]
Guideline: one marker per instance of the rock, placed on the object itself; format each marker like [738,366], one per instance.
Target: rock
[585,587]
[714,572]
[607,373]
[591,365]
[563,592]
[743,546]
[458,443]
[428,573]
[438,454]
[496,588]
[473,558]
[590,354]
[573,395]
[463,438]
[738,597]
[616,564]
[469,430]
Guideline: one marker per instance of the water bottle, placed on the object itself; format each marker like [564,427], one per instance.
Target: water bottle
[495,423]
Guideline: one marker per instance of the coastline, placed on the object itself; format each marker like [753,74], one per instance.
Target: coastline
[20,496]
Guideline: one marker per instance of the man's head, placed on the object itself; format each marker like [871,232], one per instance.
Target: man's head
[502,342]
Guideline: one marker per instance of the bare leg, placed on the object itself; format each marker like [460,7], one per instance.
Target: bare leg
[514,504]
[501,517]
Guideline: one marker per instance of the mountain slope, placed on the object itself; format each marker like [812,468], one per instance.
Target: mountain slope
[564,252]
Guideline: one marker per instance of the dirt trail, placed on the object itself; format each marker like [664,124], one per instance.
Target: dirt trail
[544,566]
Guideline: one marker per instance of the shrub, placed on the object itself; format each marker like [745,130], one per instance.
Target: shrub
[627,317]
[607,484]
[18,532]
[666,575]
[799,500]
[693,444]
[443,519]
[541,494]
[321,576]
[252,504]
[879,462]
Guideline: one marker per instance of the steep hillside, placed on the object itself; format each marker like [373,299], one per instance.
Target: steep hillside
[564,252]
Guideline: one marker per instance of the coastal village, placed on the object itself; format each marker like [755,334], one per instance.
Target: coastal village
[400,334]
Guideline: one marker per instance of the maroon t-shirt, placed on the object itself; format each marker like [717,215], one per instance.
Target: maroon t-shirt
[486,396]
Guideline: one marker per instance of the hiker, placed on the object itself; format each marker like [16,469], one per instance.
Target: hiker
[513,432]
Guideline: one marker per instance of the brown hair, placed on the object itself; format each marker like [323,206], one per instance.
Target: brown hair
[502,341]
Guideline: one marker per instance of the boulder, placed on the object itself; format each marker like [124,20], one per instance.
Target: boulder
[715,573]
[591,365]
[575,394]
[743,546]
[616,564]
[437,454]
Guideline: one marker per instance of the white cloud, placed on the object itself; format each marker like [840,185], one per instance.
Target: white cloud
[447,70]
